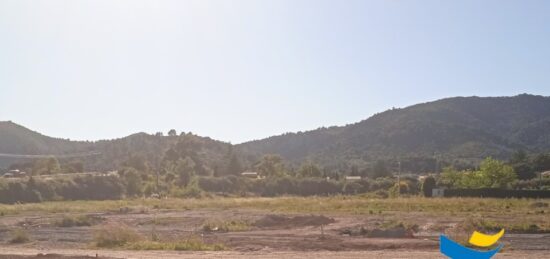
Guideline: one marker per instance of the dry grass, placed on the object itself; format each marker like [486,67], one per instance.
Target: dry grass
[19,236]
[226,225]
[75,221]
[336,204]
[191,244]
[115,235]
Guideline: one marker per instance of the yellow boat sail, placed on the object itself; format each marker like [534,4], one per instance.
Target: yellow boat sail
[483,240]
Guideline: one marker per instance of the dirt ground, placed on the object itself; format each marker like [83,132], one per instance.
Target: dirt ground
[85,254]
[267,235]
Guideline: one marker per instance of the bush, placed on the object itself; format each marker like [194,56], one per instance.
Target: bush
[226,226]
[75,221]
[403,189]
[192,244]
[19,236]
[115,235]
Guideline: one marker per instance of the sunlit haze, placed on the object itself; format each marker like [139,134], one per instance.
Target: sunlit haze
[243,70]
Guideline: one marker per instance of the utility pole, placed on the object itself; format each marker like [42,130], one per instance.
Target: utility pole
[436,169]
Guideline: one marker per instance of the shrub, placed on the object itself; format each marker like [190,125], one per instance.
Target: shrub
[19,236]
[192,244]
[115,235]
[75,221]
[226,226]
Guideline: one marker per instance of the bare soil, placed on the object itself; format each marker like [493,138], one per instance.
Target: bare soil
[269,235]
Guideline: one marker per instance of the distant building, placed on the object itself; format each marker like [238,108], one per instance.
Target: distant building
[15,173]
[353,178]
[253,175]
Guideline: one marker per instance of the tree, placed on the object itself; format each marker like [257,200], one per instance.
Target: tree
[46,166]
[72,167]
[541,162]
[522,166]
[450,177]
[133,181]
[185,171]
[172,133]
[518,157]
[380,170]
[492,174]
[496,174]
[524,171]
[428,185]
[234,166]
[271,166]
[137,161]
[309,169]
[354,170]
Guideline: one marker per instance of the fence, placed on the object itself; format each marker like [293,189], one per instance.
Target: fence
[496,193]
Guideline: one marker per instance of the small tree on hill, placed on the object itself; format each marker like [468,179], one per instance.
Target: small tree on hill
[172,133]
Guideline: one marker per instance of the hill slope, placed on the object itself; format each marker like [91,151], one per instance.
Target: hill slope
[16,139]
[461,127]
[453,128]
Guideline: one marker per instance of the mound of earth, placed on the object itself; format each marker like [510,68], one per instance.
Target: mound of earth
[279,221]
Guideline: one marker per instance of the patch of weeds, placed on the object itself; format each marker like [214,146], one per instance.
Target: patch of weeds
[394,224]
[19,236]
[192,244]
[487,225]
[76,221]
[226,226]
[115,235]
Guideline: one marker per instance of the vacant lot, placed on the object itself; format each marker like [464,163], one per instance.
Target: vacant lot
[240,227]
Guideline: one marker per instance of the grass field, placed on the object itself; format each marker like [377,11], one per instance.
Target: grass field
[338,204]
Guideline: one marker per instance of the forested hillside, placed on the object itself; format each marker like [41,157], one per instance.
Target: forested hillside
[453,129]
[101,155]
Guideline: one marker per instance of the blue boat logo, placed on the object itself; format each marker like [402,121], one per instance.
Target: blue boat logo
[455,250]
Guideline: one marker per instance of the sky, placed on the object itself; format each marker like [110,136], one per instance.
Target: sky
[242,70]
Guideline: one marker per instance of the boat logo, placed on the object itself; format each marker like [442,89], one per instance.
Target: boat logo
[455,250]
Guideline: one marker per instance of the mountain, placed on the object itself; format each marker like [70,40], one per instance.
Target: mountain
[16,139]
[459,128]
[99,155]
[452,128]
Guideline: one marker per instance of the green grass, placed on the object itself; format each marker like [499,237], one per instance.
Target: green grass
[336,204]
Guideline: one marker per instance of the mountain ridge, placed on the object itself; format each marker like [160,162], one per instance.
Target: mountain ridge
[454,127]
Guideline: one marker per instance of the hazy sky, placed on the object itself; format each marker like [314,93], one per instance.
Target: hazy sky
[242,70]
